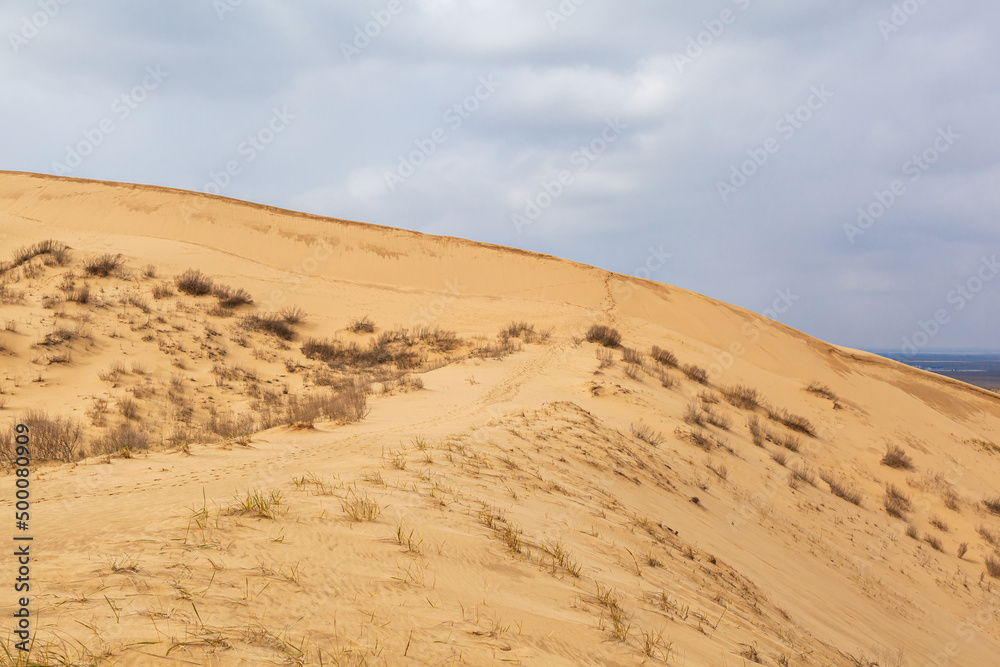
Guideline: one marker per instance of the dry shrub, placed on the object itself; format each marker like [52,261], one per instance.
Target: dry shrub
[346,405]
[59,252]
[694,415]
[896,457]
[194,282]
[604,335]
[631,356]
[664,357]
[271,323]
[80,296]
[841,489]
[646,433]
[992,566]
[757,432]
[934,541]
[696,373]
[103,266]
[52,438]
[990,536]
[129,408]
[794,422]
[821,390]
[993,505]
[742,397]
[124,438]
[362,325]
[230,298]
[162,291]
[292,314]
[897,503]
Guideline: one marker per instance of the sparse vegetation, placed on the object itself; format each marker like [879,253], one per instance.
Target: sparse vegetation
[604,335]
[271,323]
[992,566]
[59,252]
[934,541]
[292,315]
[194,282]
[821,390]
[362,325]
[53,438]
[742,397]
[794,422]
[230,298]
[993,505]
[664,357]
[696,373]
[896,502]
[896,457]
[104,265]
[646,433]
[841,489]
[258,503]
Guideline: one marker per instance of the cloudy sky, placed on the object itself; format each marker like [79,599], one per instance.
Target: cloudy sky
[833,164]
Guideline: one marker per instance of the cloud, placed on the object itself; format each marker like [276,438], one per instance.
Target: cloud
[702,89]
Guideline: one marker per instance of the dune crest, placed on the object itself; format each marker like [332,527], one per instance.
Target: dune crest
[318,441]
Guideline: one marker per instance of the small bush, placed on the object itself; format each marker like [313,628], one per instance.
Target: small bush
[271,323]
[993,505]
[934,541]
[693,415]
[362,325]
[742,397]
[990,536]
[757,432]
[896,457]
[664,357]
[631,356]
[646,433]
[129,408]
[962,549]
[911,532]
[897,503]
[803,474]
[696,373]
[53,438]
[59,252]
[232,298]
[604,335]
[103,266]
[124,438]
[993,566]
[80,296]
[162,291]
[842,489]
[794,422]
[518,330]
[292,314]
[194,282]
[821,390]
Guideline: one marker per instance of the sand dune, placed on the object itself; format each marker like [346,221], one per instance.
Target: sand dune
[275,482]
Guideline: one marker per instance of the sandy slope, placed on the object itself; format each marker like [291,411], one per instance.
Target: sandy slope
[521,520]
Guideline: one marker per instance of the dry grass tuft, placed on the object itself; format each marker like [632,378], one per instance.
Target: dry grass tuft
[794,422]
[664,357]
[361,325]
[194,282]
[646,433]
[696,373]
[821,390]
[361,508]
[841,489]
[604,335]
[896,503]
[742,397]
[103,266]
[896,457]
[993,505]
[992,566]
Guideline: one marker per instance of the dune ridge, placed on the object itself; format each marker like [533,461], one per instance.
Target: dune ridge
[363,445]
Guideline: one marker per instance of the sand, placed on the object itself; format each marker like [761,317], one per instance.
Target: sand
[536,500]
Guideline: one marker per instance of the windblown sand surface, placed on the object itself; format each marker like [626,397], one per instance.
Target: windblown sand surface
[531,498]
